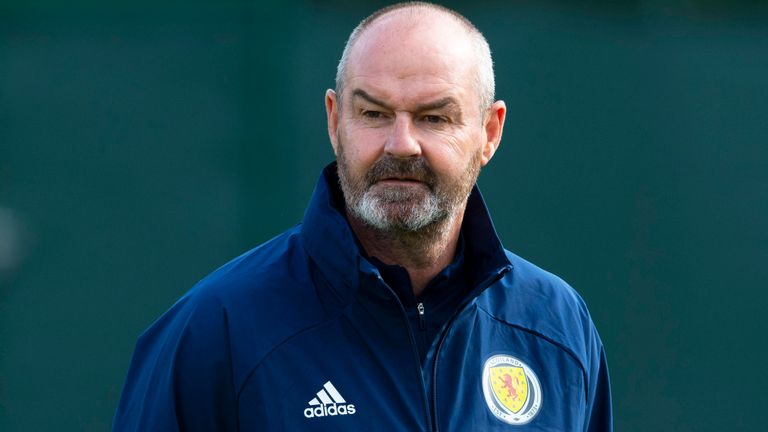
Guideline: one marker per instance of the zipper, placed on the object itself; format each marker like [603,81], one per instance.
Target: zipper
[414,350]
[422,320]
[480,287]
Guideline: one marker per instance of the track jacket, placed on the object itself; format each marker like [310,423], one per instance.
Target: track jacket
[302,334]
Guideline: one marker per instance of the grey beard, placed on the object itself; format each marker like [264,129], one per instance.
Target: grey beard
[409,214]
[405,210]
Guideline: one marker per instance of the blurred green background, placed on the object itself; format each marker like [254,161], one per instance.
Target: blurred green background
[143,145]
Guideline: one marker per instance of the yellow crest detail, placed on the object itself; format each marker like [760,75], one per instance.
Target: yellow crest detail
[510,386]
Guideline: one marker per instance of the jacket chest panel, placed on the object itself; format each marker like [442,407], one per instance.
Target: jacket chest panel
[337,377]
[493,376]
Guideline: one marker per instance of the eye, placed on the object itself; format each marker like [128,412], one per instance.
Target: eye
[372,114]
[435,119]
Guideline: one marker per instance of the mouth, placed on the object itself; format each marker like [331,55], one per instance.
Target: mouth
[400,180]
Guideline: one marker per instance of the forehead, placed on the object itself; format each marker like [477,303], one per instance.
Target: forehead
[409,55]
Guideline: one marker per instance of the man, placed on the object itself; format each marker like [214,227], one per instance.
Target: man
[393,306]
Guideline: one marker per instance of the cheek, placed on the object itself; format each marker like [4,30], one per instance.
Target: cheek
[452,151]
[362,146]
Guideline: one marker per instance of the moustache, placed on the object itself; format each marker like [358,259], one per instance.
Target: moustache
[390,167]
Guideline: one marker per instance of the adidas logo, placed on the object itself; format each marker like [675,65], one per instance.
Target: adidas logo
[328,403]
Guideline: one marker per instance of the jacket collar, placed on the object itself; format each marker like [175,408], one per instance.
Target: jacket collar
[331,244]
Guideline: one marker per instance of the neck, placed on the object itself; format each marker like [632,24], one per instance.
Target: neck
[422,253]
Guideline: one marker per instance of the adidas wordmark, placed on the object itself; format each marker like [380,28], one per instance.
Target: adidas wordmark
[328,403]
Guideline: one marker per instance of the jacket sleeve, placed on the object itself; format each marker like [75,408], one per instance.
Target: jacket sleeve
[599,416]
[180,376]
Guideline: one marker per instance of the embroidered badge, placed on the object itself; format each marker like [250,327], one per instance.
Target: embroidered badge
[511,389]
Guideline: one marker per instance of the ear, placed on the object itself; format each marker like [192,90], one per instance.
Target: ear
[332,112]
[493,127]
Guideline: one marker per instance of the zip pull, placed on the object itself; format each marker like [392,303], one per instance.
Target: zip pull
[422,321]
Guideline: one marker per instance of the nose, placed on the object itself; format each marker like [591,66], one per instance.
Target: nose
[401,142]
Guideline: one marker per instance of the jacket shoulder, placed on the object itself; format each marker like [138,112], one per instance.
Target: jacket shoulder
[542,303]
[247,307]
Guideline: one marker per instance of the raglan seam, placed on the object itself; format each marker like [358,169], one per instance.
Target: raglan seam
[552,341]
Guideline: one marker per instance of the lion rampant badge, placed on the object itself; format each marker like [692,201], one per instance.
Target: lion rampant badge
[511,389]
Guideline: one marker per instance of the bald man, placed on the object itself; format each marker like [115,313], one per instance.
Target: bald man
[393,306]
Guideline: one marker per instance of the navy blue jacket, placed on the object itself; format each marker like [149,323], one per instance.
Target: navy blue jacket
[302,334]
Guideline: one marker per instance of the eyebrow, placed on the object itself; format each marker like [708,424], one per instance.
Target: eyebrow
[447,101]
[359,93]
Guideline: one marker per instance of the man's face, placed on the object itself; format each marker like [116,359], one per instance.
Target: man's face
[410,137]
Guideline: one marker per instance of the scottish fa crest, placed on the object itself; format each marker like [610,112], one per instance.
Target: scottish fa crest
[511,389]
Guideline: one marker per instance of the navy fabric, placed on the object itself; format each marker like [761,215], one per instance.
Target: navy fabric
[438,302]
[303,334]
